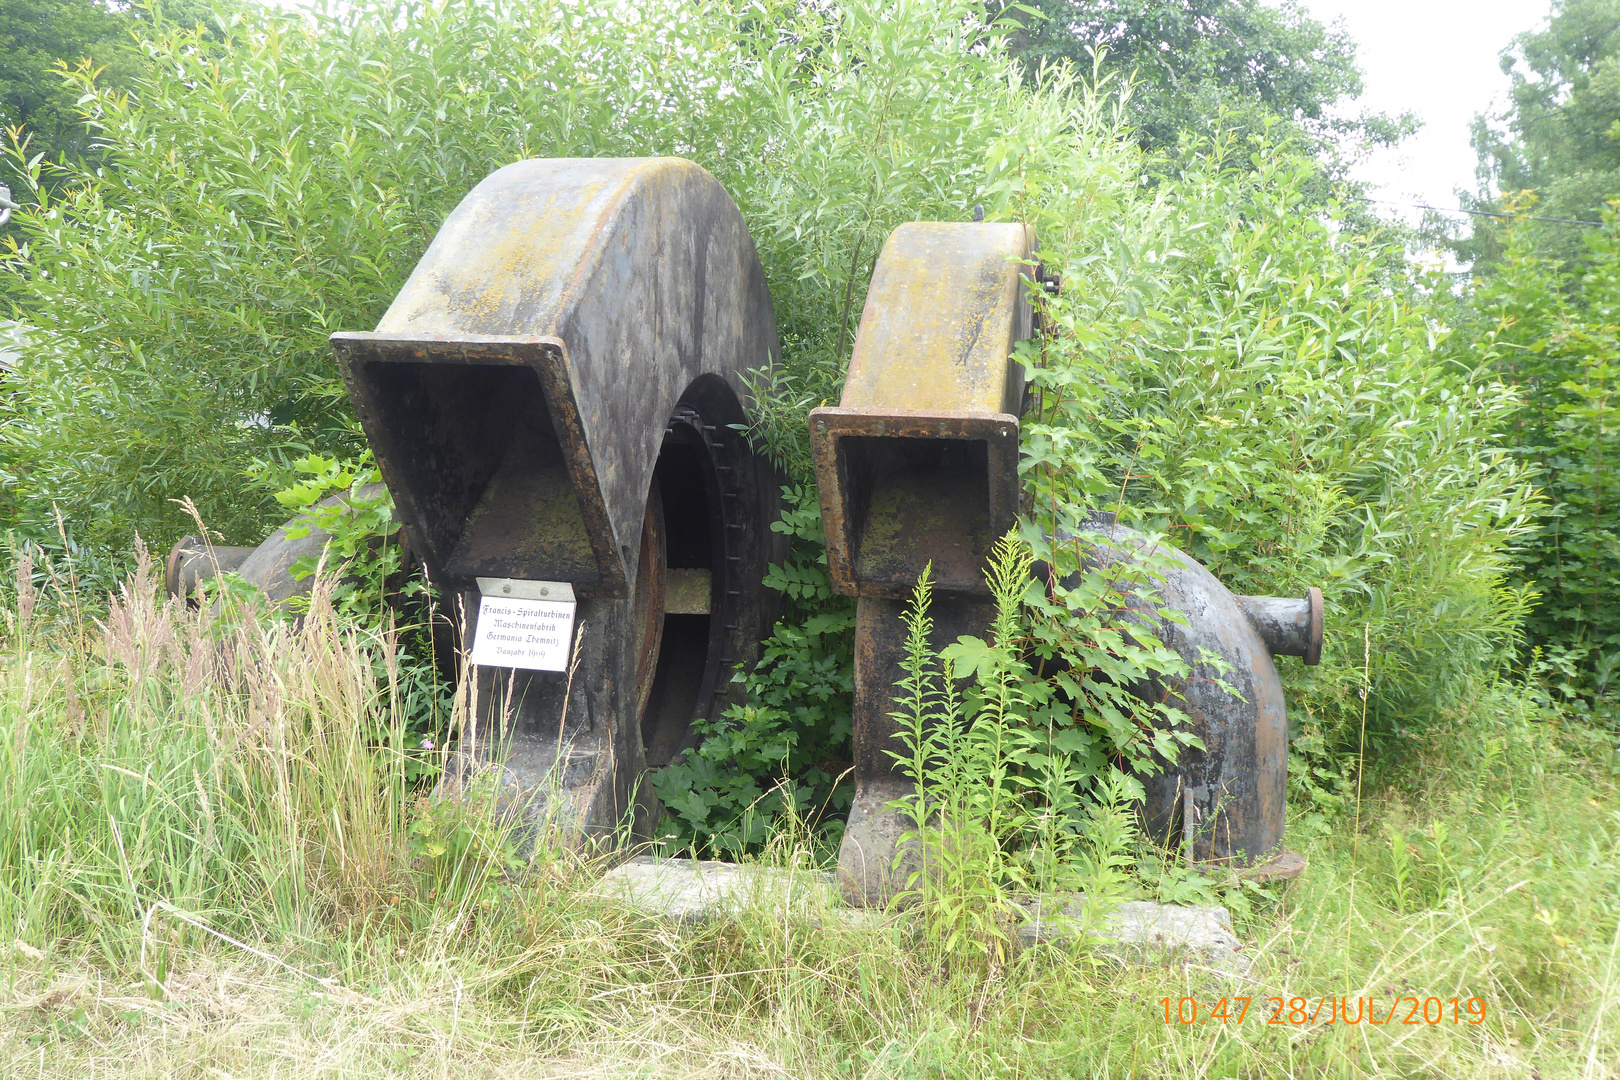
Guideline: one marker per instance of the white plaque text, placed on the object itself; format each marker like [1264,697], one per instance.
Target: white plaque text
[518,632]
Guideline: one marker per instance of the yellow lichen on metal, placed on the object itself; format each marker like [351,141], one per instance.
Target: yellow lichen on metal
[622,285]
[508,260]
[946,305]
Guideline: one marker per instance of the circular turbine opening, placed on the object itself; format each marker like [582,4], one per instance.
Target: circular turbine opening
[687,596]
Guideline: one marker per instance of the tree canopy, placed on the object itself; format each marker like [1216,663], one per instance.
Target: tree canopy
[35,37]
[1560,133]
[1203,64]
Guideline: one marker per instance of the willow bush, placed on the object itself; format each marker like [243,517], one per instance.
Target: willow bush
[279,186]
[1234,372]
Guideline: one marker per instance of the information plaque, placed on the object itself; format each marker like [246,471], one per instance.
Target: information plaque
[524,624]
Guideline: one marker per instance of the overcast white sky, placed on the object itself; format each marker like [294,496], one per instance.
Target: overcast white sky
[1438,59]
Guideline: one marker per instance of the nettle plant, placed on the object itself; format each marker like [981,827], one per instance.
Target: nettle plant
[781,757]
[344,499]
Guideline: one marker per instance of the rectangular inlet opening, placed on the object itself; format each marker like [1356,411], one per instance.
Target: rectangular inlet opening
[909,501]
[474,447]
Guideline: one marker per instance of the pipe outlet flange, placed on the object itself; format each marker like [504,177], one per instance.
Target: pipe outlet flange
[269,566]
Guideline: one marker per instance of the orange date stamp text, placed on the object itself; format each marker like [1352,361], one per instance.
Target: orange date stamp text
[1300,1011]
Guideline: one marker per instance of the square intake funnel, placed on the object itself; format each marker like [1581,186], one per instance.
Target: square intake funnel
[918,464]
[483,446]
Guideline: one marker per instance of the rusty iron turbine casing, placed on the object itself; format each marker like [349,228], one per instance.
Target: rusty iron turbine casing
[1224,801]
[918,466]
[558,394]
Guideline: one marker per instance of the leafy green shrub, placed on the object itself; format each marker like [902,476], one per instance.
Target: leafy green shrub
[996,754]
[1554,330]
[467,847]
[780,755]
[360,525]
[1242,377]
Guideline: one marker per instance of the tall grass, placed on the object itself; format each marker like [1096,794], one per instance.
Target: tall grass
[211,865]
[237,768]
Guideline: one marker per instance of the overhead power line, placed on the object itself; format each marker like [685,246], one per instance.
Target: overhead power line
[1477,213]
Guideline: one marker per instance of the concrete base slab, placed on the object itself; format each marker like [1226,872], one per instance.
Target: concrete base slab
[1139,931]
[700,890]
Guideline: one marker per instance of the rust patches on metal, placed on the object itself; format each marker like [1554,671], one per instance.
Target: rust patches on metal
[1226,801]
[650,593]
[1313,651]
[491,472]
[563,404]
[918,464]
[1288,627]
